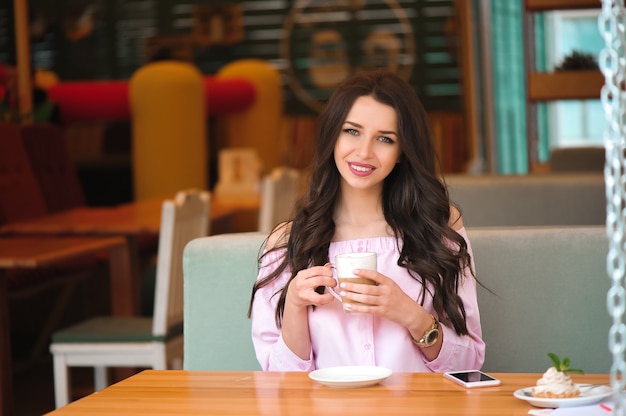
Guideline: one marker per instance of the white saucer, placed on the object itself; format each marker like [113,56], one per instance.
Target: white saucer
[588,395]
[350,377]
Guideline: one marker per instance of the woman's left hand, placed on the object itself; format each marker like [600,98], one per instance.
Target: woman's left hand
[385,298]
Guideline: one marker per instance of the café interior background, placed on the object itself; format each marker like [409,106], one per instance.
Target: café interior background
[444,47]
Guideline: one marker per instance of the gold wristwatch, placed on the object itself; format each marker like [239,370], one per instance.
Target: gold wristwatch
[430,337]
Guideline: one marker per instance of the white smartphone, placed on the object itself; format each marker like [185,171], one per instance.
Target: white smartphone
[471,378]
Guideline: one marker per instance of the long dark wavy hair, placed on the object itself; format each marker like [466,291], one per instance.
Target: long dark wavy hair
[415,201]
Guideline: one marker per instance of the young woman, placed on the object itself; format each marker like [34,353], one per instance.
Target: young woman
[374,186]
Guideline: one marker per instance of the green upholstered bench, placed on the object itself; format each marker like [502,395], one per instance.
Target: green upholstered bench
[550,287]
[219,272]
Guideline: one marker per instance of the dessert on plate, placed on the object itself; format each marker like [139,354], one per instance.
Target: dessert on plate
[556,382]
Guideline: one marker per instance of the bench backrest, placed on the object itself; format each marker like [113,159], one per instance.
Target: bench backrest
[219,272]
[550,289]
[529,200]
[550,286]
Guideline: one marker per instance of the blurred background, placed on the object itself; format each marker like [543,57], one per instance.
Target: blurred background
[507,85]
[467,59]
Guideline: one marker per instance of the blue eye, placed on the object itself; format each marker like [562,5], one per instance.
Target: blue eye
[351,131]
[386,139]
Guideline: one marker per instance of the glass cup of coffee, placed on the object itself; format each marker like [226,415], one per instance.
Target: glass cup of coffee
[345,264]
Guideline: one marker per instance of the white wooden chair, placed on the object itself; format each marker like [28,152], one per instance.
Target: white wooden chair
[154,342]
[279,192]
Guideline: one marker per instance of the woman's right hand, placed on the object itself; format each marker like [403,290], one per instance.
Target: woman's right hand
[300,294]
[302,289]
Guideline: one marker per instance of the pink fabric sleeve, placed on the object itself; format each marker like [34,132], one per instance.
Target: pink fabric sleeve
[463,352]
[271,351]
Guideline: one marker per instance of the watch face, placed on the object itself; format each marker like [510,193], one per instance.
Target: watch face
[432,337]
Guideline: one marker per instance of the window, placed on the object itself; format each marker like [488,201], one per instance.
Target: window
[573,122]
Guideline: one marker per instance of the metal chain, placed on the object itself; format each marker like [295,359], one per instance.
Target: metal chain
[613,65]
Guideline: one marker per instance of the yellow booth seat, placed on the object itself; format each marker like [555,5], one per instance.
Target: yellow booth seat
[259,125]
[169,129]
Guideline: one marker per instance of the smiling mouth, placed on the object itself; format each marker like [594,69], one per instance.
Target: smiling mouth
[359,168]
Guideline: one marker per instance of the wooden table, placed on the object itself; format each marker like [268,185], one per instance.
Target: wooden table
[136,218]
[132,221]
[34,252]
[169,392]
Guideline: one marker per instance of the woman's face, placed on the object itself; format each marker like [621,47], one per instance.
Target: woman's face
[368,147]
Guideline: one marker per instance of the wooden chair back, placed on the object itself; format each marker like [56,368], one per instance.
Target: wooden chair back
[47,150]
[20,195]
[182,220]
[279,193]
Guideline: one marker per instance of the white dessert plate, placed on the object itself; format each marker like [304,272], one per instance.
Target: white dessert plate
[350,377]
[588,395]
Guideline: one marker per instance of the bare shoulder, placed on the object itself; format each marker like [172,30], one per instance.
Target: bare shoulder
[455,222]
[279,236]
